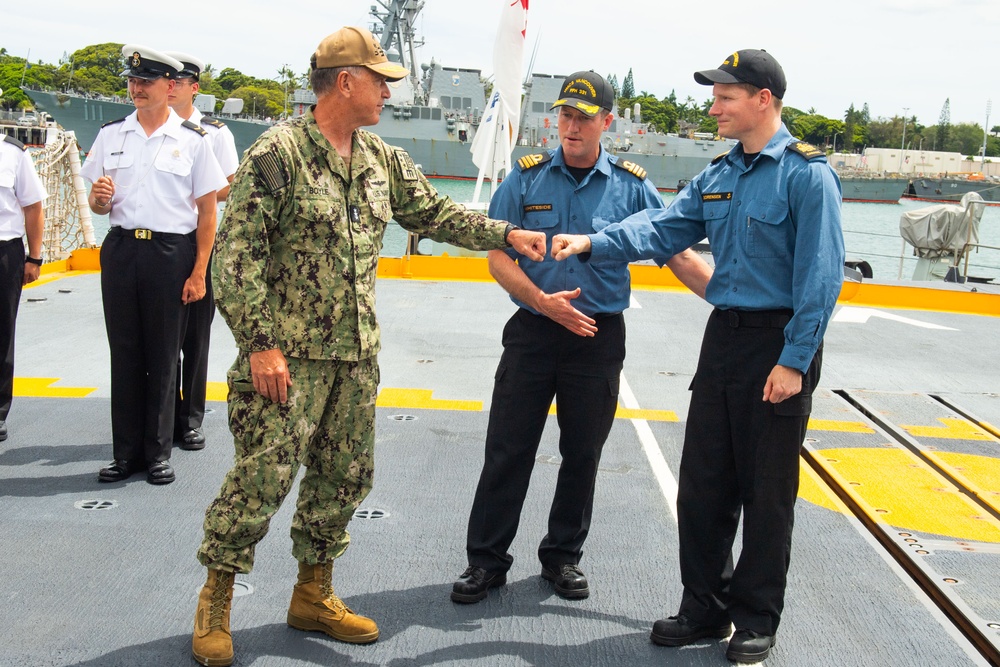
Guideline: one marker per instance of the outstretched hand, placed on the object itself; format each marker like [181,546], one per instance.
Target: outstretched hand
[558,307]
[564,245]
[530,244]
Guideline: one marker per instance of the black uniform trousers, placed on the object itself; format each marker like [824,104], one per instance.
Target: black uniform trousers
[740,453]
[542,360]
[192,371]
[142,280]
[11,281]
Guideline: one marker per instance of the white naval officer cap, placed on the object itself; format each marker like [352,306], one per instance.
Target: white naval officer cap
[192,67]
[142,62]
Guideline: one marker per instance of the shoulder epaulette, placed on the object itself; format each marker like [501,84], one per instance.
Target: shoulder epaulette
[406,166]
[808,151]
[11,140]
[530,161]
[718,158]
[112,122]
[270,170]
[631,167]
[214,122]
[194,126]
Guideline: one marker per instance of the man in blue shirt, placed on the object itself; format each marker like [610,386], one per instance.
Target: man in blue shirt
[566,340]
[771,211]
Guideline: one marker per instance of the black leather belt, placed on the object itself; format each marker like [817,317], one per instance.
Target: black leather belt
[9,241]
[755,319]
[143,234]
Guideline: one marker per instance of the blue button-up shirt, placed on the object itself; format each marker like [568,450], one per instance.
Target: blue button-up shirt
[775,233]
[547,198]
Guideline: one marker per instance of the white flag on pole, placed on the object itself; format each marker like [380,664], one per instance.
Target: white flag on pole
[497,132]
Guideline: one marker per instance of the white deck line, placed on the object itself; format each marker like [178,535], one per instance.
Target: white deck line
[661,471]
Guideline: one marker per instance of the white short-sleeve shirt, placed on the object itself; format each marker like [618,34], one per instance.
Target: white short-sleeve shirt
[20,186]
[223,144]
[157,178]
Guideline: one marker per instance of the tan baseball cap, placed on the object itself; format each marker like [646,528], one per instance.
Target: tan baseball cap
[353,47]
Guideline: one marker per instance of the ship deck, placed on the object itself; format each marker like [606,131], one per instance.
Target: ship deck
[899,478]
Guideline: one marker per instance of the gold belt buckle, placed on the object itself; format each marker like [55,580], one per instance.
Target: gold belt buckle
[143,234]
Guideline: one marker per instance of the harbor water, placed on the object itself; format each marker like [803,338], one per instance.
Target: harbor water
[871,234]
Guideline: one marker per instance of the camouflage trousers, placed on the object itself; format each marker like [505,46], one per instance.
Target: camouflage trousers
[327,425]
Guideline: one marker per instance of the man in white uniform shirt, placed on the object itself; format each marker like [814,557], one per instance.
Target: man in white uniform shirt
[21,196]
[193,372]
[155,176]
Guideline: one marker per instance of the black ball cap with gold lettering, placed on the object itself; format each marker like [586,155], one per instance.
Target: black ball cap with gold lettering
[586,92]
[754,66]
[142,62]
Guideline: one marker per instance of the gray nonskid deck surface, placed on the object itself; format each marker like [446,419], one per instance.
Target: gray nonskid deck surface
[119,586]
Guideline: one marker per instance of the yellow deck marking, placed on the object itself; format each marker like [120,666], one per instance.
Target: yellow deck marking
[839,426]
[41,388]
[898,490]
[216,391]
[632,413]
[953,429]
[422,399]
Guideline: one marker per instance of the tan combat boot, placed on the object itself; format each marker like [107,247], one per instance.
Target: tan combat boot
[315,607]
[212,643]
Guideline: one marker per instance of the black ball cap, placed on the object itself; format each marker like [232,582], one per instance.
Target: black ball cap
[754,66]
[586,92]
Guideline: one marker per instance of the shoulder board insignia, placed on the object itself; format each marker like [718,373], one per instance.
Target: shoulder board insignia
[112,122]
[214,122]
[529,161]
[270,170]
[11,140]
[632,168]
[406,166]
[193,126]
[808,151]
[718,158]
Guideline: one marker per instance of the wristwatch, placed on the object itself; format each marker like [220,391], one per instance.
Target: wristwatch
[506,234]
[33,260]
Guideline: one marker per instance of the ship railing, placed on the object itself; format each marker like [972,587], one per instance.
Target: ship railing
[68,222]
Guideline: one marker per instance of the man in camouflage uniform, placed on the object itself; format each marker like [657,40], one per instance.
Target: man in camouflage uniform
[295,279]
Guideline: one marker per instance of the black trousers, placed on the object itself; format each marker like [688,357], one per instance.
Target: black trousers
[141,285]
[740,454]
[11,282]
[542,360]
[192,371]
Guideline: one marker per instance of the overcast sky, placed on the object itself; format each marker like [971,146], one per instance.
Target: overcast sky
[891,54]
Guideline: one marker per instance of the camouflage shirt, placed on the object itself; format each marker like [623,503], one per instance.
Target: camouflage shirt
[296,254]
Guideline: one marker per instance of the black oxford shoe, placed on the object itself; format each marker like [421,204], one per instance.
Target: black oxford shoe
[749,647]
[193,439]
[569,581]
[116,472]
[680,631]
[160,472]
[475,583]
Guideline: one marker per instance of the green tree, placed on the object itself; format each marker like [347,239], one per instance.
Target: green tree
[260,102]
[628,86]
[943,129]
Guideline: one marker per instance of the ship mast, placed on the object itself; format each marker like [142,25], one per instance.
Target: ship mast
[396,28]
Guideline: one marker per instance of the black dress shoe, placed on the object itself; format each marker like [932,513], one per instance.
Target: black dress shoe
[3,430]
[116,472]
[160,472]
[569,580]
[679,630]
[475,583]
[193,439]
[749,647]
